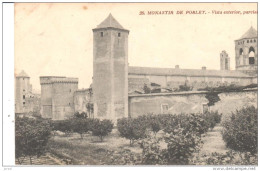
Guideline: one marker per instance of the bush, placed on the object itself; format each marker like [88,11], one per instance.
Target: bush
[173,148]
[132,129]
[240,131]
[63,126]
[31,137]
[101,128]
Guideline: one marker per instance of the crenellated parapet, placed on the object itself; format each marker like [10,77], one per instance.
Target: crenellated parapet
[57,79]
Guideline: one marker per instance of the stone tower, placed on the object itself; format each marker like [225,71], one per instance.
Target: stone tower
[110,70]
[57,94]
[246,51]
[224,61]
[22,88]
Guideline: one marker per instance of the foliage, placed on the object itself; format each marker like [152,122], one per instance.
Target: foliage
[63,126]
[132,129]
[31,137]
[146,89]
[80,125]
[173,148]
[80,115]
[90,108]
[229,158]
[229,88]
[212,97]
[240,131]
[154,151]
[101,128]
[185,87]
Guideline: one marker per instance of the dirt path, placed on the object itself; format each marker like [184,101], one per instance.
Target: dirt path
[213,142]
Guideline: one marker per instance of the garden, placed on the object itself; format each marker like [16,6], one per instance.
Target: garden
[164,139]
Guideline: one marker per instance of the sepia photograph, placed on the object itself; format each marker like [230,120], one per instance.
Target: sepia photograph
[136,84]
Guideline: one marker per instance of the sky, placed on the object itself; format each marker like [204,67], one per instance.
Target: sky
[56,39]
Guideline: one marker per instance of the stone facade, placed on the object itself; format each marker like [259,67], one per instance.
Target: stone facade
[118,89]
[189,102]
[82,98]
[25,100]
[110,75]
[247,51]
[57,97]
[224,61]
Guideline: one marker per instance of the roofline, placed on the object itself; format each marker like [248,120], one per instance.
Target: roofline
[169,74]
[246,38]
[183,93]
[113,28]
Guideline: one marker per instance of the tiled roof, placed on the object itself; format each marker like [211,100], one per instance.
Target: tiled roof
[184,72]
[251,33]
[110,21]
[22,74]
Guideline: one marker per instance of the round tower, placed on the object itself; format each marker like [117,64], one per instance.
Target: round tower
[247,51]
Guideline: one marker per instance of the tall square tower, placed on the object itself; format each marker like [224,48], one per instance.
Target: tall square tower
[110,70]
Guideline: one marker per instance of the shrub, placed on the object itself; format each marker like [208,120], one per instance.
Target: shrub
[173,148]
[31,137]
[132,129]
[240,131]
[63,126]
[101,128]
[80,115]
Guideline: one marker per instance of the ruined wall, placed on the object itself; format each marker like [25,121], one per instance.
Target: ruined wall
[81,99]
[188,102]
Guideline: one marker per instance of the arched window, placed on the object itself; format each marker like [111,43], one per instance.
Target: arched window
[251,55]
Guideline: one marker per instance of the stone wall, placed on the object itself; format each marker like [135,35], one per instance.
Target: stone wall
[188,102]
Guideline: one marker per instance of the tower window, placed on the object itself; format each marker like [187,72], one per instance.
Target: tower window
[23,96]
[101,34]
[251,60]
[23,103]
[254,40]
[247,41]
[250,41]
[119,34]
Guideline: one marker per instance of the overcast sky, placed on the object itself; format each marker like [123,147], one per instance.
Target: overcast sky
[57,40]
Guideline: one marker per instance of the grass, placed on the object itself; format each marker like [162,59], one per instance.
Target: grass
[89,150]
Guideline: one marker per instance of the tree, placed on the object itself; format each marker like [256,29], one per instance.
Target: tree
[241,129]
[31,137]
[101,128]
[131,129]
[80,125]
[90,108]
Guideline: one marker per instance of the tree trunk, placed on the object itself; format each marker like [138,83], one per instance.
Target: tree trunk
[30,160]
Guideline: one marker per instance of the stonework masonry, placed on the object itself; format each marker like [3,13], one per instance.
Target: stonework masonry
[116,84]
[188,102]
[57,96]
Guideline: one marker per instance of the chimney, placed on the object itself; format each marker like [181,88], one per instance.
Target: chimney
[203,68]
[177,66]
